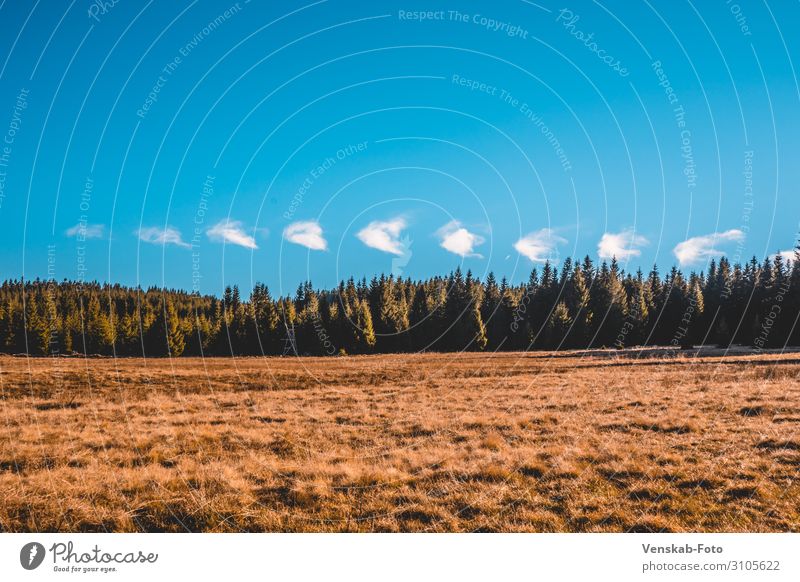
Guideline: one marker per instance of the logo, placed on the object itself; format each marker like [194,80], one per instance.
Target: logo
[31,555]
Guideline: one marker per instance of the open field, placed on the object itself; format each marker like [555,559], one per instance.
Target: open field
[439,442]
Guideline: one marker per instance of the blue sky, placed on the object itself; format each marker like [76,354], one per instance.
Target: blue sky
[203,144]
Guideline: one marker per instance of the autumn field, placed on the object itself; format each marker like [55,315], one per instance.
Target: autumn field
[579,442]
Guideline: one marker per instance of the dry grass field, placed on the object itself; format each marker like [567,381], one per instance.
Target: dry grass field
[439,442]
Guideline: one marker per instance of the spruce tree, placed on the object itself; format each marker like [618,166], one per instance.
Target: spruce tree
[420,323]
[557,326]
[492,315]
[363,332]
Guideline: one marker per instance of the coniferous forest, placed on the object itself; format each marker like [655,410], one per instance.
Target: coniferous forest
[571,306]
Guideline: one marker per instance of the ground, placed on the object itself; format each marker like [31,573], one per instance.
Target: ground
[632,441]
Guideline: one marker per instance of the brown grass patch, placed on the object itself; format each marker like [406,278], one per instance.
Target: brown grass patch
[436,442]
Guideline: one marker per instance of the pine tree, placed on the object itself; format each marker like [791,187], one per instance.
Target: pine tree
[98,329]
[37,337]
[166,336]
[309,322]
[8,335]
[474,322]
[364,334]
[420,322]
[176,338]
[492,314]
[512,323]
[557,326]
[608,306]
[639,308]
[538,302]
[694,311]
[576,300]
[262,337]
[394,316]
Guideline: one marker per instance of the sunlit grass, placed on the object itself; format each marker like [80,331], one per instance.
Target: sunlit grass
[451,442]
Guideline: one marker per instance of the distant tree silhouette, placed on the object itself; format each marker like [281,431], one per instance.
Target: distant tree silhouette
[579,305]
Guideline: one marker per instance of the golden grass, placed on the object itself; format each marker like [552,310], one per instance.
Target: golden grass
[450,442]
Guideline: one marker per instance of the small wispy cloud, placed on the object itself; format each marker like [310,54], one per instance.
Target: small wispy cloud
[458,240]
[384,235]
[306,233]
[86,231]
[539,246]
[231,231]
[622,245]
[701,248]
[162,236]
[787,256]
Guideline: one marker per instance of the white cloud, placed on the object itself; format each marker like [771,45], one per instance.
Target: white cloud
[86,231]
[539,246]
[307,233]
[233,232]
[700,248]
[384,236]
[788,256]
[162,236]
[622,245]
[458,240]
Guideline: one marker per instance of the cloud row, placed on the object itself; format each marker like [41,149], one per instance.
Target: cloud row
[537,246]
[228,231]
[541,246]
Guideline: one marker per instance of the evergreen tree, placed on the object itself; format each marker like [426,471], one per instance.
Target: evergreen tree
[166,337]
[492,315]
[98,331]
[364,334]
[420,322]
[576,302]
[512,323]
[557,326]
[262,337]
[474,322]
[608,305]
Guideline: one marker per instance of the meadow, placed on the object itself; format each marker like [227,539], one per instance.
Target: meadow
[648,440]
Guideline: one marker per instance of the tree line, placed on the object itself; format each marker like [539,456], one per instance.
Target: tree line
[576,305]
